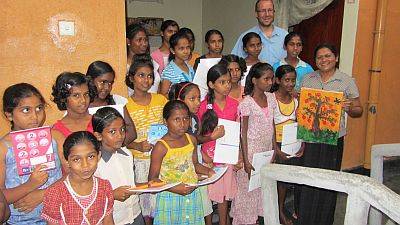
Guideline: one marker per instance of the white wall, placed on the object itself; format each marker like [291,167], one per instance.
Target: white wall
[187,13]
[230,17]
[350,19]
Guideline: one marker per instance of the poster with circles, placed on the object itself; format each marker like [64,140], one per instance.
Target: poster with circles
[32,147]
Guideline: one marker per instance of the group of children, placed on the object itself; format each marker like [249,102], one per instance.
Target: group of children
[101,155]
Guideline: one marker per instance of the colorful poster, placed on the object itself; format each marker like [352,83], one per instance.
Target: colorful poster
[156,132]
[32,147]
[318,116]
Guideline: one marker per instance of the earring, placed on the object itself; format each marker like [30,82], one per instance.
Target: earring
[129,44]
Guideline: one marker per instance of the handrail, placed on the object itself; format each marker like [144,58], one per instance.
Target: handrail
[362,191]
[377,154]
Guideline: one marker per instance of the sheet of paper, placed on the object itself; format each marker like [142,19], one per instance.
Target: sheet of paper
[232,132]
[228,154]
[154,189]
[200,77]
[227,147]
[290,143]
[259,160]
[156,132]
[243,81]
[219,172]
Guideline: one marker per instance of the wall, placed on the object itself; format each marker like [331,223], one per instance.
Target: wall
[31,50]
[387,127]
[230,17]
[187,13]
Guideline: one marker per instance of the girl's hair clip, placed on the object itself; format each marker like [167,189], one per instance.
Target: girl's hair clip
[68,86]
[209,106]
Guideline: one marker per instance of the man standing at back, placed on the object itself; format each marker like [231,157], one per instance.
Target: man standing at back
[271,36]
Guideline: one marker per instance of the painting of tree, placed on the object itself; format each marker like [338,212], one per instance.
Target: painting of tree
[319,115]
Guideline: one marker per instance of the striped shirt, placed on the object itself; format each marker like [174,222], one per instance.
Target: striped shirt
[174,74]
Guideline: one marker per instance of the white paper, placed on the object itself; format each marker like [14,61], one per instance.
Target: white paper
[232,132]
[259,160]
[290,143]
[243,81]
[200,77]
[228,154]
[219,172]
[227,147]
[154,189]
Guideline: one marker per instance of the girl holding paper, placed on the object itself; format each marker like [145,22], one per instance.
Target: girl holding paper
[145,109]
[218,105]
[256,116]
[174,159]
[285,113]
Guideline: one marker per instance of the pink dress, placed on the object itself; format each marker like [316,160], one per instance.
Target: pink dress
[158,56]
[247,206]
[226,187]
[59,126]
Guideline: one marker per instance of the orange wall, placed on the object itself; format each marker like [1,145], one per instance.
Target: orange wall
[31,50]
[388,126]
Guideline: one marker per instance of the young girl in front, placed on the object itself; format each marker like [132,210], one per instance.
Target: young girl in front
[174,159]
[285,113]
[189,93]
[116,165]
[24,107]
[80,197]
[72,92]
[177,69]
[145,109]
[218,105]
[102,76]
[257,135]
[293,44]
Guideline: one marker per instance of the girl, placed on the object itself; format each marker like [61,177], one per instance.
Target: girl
[236,68]
[145,109]
[174,159]
[218,104]
[285,113]
[168,28]
[80,197]
[293,44]
[189,93]
[252,47]
[317,206]
[102,76]
[72,92]
[138,45]
[177,70]
[23,106]
[116,165]
[215,45]
[257,135]
[193,55]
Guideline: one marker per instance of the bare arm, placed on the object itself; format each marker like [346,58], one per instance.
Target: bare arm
[108,220]
[200,168]
[130,128]
[157,156]
[4,209]
[354,109]
[164,87]
[59,137]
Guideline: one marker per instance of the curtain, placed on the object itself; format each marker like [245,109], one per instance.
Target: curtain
[292,12]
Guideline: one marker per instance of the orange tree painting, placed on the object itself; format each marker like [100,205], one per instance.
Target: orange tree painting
[318,116]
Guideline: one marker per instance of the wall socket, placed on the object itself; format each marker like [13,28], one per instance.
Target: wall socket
[66,28]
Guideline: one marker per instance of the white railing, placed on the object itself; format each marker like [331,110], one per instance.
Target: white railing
[362,191]
[377,154]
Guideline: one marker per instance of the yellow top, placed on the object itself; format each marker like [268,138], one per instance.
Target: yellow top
[177,165]
[285,110]
[143,116]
